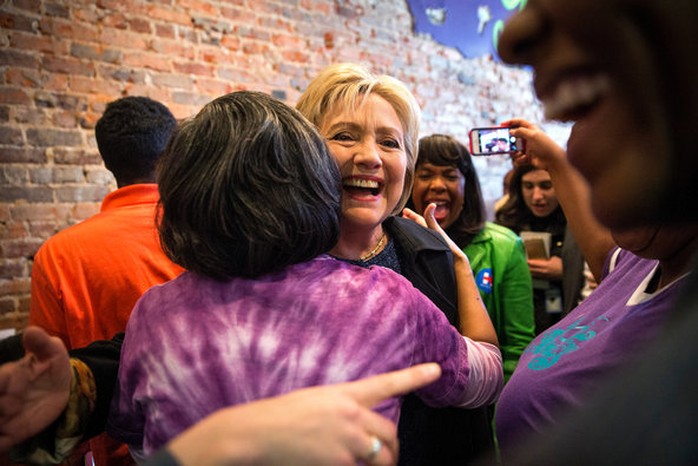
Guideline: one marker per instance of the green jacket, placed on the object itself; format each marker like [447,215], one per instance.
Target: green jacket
[498,260]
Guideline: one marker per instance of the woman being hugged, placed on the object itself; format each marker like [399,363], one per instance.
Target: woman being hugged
[371,124]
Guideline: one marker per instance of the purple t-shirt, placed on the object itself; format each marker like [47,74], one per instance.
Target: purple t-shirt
[562,367]
[195,344]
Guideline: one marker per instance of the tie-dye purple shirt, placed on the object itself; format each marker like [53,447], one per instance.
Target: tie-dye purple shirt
[195,345]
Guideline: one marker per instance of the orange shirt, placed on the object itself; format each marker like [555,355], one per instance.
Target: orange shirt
[87,278]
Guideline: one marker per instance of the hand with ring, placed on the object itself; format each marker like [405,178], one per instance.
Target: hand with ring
[324,425]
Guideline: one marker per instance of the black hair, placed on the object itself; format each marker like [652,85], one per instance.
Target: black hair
[516,215]
[247,187]
[443,150]
[131,135]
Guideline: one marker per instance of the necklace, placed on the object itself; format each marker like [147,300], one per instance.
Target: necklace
[373,251]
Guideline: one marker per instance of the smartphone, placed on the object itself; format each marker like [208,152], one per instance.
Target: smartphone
[494,140]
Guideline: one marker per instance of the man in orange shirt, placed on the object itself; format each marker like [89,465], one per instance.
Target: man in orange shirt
[87,278]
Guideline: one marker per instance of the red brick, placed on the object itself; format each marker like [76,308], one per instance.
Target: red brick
[123,39]
[288,41]
[67,66]
[198,6]
[173,80]
[24,305]
[44,230]
[56,82]
[14,96]
[68,174]
[316,6]
[231,42]
[39,43]
[23,77]
[213,87]
[53,137]
[22,155]
[9,21]
[17,286]
[121,74]
[33,116]
[148,60]
[173,49]
[12,268]
[11,174]
[18,249]
[295,56]
[161,94]
[169,15]
[240,15]
[30,194]
[33,6]
[96,53]
[188,98]
[117,5]
[17,58]
[13,230]
[193,68]
[55,9]
[81,193]
[7,306]
[64,119]
[140,25]
[214,55]
[18,320]
[75,156]
[39,212]
[100,176]
[11,136]
[67,30]
[115,20]
[166,31]
[87,85]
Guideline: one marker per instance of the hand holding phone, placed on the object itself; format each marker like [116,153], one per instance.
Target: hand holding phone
[494,140]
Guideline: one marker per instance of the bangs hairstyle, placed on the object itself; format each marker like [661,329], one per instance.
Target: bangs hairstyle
[346,86]
[247,187]
[446,151]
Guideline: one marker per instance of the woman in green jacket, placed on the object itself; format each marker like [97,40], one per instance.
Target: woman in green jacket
[445,175]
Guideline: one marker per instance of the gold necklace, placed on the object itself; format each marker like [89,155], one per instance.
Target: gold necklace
[373,251]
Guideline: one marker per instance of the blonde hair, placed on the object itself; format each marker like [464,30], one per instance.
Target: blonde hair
[346,85]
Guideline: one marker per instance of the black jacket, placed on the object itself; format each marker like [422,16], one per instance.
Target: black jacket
[435,436]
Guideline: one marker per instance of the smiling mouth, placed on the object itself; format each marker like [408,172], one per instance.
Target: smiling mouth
[573,98]
[362,186]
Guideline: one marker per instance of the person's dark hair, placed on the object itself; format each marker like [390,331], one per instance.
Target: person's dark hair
[131,135]
[247,187]
[444,150]
[516,215]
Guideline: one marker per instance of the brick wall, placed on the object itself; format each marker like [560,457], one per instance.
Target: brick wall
[61,61]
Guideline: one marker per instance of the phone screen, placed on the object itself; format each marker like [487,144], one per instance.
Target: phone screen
[493,140]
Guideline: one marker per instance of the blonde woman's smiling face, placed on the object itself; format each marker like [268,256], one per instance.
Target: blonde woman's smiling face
[368,144]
